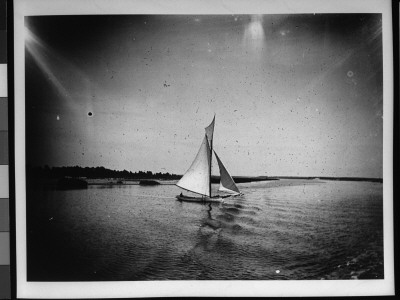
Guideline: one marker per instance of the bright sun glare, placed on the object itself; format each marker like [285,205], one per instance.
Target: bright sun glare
[254,32]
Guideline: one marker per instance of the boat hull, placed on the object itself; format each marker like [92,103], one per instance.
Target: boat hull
[200,200]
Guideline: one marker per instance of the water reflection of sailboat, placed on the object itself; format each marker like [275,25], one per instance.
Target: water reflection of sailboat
[197,178]
[210,221]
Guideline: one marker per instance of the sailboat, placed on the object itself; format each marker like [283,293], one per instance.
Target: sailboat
[197,178]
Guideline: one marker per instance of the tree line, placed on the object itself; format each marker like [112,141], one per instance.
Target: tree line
[94,172]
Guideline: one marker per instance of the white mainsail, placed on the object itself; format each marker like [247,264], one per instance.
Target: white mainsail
[197,177]
[226,182]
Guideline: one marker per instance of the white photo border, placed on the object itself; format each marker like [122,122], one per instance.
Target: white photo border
[131,289]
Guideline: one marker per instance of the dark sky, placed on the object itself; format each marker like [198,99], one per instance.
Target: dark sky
[292,94]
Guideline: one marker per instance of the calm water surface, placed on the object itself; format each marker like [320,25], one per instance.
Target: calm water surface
[287,229]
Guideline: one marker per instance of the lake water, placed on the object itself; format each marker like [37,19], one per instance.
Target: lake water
[287,229]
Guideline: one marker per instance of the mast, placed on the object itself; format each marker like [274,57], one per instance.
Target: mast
[211,150]
[209,133]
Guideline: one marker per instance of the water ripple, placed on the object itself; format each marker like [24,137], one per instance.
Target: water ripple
[283,230]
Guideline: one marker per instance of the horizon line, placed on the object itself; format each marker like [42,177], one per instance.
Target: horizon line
[268,176]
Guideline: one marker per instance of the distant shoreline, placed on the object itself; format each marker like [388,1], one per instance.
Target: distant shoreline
[101,174]
[237,179]
[369,179]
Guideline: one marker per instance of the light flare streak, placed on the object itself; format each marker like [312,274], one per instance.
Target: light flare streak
[51,64]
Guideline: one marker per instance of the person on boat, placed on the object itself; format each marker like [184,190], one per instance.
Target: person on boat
[181,195]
